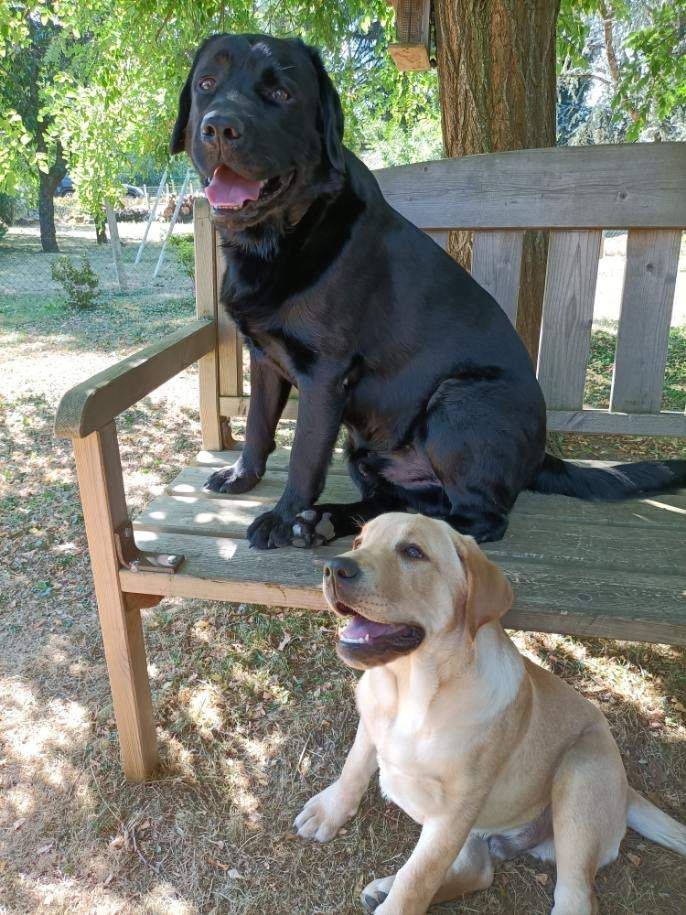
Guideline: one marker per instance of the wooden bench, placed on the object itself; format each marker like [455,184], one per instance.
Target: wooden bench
[582,568]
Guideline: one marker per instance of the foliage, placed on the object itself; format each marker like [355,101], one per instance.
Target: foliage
[185,250]
[80,284]
[7,212]
[633,54]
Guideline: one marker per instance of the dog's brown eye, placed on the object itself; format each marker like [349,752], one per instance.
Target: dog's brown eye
[207,83]
[279,94]
[412,551]
[357,542]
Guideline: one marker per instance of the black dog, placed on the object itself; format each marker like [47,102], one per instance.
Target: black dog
[376,326]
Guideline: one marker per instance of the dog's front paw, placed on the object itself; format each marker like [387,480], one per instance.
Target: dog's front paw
[311,528]
[270,531]
[324,814]
[235,479]
[375,893]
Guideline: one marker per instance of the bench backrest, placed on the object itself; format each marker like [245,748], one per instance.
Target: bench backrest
[573,193]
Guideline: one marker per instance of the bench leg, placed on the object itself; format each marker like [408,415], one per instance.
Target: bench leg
[104,510]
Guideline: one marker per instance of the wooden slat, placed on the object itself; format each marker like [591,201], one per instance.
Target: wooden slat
[531,538]
[497,264]
[230,343]
[279,459]
[601,421]
[580,187]
[440,237]
[92,404]
[567,317]
[626,605]
[104,509]
[206,307]
[652,259]
[665,509]
[190,482]
[238,406]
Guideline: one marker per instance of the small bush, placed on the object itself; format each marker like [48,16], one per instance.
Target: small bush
[80,284]
[7,212]
[184,246]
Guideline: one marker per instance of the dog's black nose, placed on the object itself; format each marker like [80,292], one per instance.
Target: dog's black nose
[216,126]
[341,567]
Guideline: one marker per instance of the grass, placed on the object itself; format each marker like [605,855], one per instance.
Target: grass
[254,712]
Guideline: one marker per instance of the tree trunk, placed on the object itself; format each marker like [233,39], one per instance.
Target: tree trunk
[46,211]
[100,221]
[496,70]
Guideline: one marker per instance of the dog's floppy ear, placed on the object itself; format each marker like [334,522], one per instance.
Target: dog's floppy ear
[489,595]
[178,138]
[332,113]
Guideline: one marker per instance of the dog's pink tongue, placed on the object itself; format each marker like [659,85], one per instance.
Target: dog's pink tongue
[360,629]
[228,189]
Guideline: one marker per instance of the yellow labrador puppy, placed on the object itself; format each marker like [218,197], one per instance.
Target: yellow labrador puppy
[490,753]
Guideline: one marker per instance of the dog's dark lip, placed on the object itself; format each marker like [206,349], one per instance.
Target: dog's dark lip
[271,189]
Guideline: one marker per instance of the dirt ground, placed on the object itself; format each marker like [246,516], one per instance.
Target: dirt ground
[254,711]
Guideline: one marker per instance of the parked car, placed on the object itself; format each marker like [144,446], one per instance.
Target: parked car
[66,187]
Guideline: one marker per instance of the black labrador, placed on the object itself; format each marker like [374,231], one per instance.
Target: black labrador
[379,329]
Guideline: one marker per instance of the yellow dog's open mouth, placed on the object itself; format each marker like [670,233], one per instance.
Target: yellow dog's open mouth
[366,643]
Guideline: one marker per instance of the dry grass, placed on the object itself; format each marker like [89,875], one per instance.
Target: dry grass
[254,712]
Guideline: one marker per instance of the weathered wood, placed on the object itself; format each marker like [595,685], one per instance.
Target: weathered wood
[584,187]
[601,421]
[238,406]
[230,342]
[411,50]
[665,509]
[92,404]
[652,260]
[619,604]
[497,266]
[104,509]
[668,509]
[206,307]
[529,537]
[567,317]
[279,459]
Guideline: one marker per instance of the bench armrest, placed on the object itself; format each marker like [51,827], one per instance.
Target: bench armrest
[92,404]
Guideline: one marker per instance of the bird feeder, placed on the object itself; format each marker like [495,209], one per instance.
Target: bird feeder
[411,50]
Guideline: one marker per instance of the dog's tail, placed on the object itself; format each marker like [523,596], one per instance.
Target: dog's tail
[655,825]
[608,484]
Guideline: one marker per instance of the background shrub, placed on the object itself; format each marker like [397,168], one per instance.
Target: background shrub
[80,283]
[184,245]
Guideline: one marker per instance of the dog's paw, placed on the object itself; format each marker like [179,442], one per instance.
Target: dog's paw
[324,814]
[375,893]
[311,528]
[235,479]
[270,531]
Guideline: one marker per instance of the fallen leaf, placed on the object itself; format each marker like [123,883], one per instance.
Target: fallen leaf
[633,859]
[233,874]
[287,637]
[44,849]
[541,878]
[117,842]
[219,864]
[19,823]
[679,706]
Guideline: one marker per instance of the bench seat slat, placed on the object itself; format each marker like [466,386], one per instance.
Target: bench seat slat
[652,259]
[497,266]
[568,316]
[639,605]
